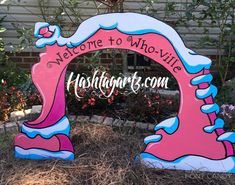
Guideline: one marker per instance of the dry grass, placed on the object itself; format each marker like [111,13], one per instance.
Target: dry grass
[103,156]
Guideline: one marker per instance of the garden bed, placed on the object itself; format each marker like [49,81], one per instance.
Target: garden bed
[104,155]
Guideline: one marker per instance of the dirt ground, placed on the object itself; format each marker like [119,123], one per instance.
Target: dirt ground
[104,155]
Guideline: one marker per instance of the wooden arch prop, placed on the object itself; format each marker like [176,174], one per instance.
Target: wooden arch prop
[194,139]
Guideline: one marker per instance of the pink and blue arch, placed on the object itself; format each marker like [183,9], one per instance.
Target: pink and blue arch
[192,140]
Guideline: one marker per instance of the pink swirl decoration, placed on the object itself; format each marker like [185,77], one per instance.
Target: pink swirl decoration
[45,32]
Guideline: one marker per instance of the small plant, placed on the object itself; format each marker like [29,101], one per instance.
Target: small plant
[16,90]
[150,106]
[228,114]
[219,14]
[2,44]
[25,38]
[90,98]
[10,99]
[145,106]
[226,93]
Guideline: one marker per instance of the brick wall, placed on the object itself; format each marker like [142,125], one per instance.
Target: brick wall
[25,60]
[26,13]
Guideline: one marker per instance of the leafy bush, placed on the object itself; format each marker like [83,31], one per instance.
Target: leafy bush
[150,106]
[2,44]
[219,14]
[145,106]
[16,90]
[226,93]
[228,114]
[91,99]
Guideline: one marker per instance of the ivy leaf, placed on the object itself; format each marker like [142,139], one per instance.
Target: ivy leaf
[189,15]
[2,19]
[2,29]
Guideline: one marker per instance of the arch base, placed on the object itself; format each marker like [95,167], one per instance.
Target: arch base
[189,162]
[47,143]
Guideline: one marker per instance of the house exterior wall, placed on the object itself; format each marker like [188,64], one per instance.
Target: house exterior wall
[25,13]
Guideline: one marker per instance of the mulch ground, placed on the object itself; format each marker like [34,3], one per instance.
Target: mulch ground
[104,155]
